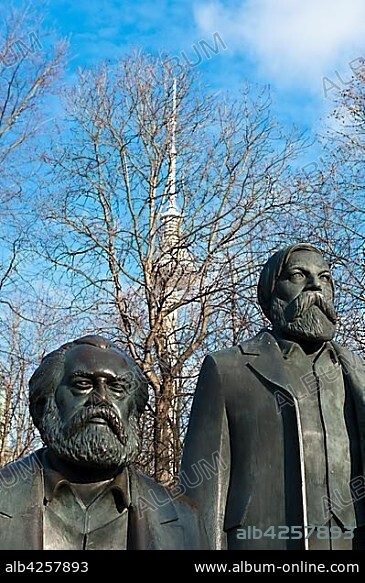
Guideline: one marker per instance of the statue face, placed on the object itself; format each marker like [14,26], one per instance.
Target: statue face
[305,271]
[91,420]
[302,307]
[94,376]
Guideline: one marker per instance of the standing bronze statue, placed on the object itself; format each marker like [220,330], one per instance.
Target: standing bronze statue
[82,491]
[285,413]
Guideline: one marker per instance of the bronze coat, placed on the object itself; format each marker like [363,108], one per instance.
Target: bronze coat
[165,522]
[254,447]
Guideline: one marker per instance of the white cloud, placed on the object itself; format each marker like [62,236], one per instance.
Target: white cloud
[293,42]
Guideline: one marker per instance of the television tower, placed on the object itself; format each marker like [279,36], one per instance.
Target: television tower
[175,260]
[174,266]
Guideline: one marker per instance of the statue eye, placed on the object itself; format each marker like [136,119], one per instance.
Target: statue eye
[296,276]
[117,387]
[82,384]
[121,386]
[325,276]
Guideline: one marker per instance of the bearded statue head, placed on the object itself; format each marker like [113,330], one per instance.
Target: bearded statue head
[296,294]
[85,399]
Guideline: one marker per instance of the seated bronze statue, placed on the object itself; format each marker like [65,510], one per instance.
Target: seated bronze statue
[81,491]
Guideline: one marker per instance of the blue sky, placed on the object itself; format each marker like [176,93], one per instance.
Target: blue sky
[298,48]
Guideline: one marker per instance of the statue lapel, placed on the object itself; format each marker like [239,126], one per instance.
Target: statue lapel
[268,363]
[154,523]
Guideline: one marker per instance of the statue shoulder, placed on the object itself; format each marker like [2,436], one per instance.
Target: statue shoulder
[251,347]
[224,355]
[22,470]
[172,493]
[350,361]
[20,484]
[168,499]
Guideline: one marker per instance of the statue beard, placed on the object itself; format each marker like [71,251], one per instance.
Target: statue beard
[308,317]
[92,445]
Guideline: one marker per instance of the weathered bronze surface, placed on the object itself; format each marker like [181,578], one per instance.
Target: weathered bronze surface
[279,421]
[81,491]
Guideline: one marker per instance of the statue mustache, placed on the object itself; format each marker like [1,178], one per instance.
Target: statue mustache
[83,417]
[304,301]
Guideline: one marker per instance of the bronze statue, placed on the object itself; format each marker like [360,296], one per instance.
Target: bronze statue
[82,491]
[285,413]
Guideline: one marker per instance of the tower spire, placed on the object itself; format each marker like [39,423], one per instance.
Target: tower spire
[171,217]
[171,181]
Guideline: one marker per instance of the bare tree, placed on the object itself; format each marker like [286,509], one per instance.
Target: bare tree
[333,196]
[30,63]
[163,207]
[29,67]
[17,434]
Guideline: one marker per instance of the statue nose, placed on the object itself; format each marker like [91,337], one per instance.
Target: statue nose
[98,394]
[314,283]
